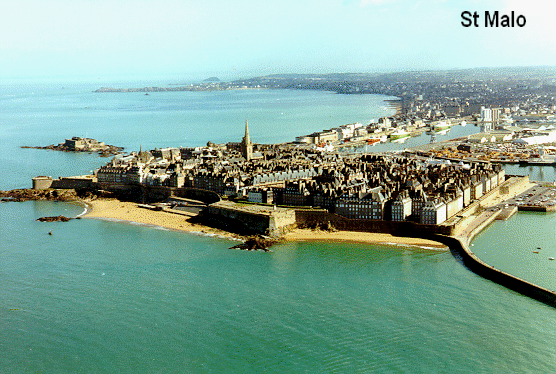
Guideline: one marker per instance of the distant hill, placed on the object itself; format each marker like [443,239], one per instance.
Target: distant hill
[212,79]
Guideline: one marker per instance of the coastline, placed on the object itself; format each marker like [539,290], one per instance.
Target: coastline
[115,210]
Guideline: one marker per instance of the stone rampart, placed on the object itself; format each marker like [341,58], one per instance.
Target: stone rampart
[253,218]
[75,183]
[321,217]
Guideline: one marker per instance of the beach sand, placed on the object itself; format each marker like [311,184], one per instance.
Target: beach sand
[113,209]
[127,211]
[361,237]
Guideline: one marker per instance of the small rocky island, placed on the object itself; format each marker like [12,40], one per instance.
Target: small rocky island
[54,219]
[78,144]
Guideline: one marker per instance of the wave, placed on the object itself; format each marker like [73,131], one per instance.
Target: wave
[85,210]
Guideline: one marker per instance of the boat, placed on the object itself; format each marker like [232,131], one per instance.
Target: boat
[376,139]
[442,125]
[400,140]
[399,134]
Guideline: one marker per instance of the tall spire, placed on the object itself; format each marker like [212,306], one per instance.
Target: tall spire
[247,139]
[246,146]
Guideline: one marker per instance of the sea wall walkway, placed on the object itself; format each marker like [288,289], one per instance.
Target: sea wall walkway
[460,247]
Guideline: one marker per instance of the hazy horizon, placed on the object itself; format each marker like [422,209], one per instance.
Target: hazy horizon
[189,40]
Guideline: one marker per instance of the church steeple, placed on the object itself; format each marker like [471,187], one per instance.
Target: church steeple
[246,146]
[247,139]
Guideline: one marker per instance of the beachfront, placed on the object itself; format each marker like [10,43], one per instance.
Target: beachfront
[470,223]
[113,209]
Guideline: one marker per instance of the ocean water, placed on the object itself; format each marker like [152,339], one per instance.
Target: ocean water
[101,297]
[48,113]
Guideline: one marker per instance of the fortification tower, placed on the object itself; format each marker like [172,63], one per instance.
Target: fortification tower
[246,146]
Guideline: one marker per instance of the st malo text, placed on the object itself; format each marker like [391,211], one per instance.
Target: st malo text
[492,19]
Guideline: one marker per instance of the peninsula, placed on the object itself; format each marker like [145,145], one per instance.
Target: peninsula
[296,192]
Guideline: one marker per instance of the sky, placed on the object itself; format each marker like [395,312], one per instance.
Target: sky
[245,38]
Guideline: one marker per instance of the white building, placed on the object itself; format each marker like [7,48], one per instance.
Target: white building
[433,213]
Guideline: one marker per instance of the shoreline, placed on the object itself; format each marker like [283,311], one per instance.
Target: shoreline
[308,235]
[115,210]
[129,212]
[468,222]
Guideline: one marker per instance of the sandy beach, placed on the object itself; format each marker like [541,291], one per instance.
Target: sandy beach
[361,237]
[127,211]
[113,209]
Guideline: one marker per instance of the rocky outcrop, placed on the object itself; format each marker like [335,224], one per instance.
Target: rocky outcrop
[29,194]
[54,219]
[103,151]
[255,243]
[52,194]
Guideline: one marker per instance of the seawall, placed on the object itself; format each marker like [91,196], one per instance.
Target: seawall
[320,217]
[460,247]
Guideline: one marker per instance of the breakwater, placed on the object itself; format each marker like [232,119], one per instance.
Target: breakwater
[460,247]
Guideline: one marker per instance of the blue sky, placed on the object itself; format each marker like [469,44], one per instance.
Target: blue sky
[242,38]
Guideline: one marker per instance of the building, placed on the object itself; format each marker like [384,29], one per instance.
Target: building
[295,194]
[113,174]
[433,213]
[354,208]
[260,195]
[401,207]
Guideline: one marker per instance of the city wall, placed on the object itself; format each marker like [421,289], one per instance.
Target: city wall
[321,217]
[75,183]
[252,218]
[64,183]
[250,222]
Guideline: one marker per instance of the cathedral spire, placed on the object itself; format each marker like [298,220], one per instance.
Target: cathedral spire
[247,139]
[246,146]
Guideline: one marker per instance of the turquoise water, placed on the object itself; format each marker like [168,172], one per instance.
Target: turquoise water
[102,296]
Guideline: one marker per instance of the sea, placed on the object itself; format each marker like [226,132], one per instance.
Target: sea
[101,296]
